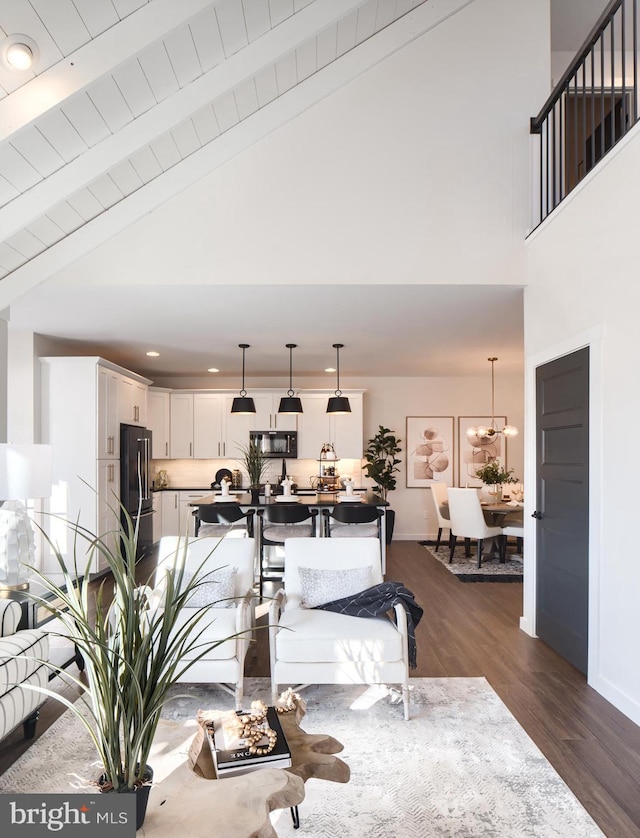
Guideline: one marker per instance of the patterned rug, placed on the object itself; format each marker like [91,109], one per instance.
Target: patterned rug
[461,768]
[467,570]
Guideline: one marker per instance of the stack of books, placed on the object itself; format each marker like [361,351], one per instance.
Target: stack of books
[231,754]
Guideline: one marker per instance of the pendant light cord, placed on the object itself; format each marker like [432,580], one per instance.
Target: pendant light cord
[290,347]
[338,347]
[244,347]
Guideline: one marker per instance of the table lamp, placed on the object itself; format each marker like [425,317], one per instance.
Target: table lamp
[25,473]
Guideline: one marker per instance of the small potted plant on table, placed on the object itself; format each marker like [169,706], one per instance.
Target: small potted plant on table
[256,465]
[494,475]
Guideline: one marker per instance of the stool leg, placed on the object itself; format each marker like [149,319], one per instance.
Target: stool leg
[452,546]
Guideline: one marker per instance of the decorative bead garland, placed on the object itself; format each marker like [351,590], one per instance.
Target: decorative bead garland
[249,726]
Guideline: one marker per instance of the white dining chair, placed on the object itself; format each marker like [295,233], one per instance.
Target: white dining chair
[440,499]
[467,520]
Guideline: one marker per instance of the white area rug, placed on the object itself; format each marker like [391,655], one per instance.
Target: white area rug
[461,767]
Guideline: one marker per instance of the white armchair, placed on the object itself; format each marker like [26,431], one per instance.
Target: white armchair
[309,646]
[224,663]
[23,656]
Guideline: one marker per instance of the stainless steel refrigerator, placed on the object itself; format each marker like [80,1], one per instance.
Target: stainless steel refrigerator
[135,482]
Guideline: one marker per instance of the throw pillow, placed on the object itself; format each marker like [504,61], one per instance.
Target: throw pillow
[319,586]
[213,589]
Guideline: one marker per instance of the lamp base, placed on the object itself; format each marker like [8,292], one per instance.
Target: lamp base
[5,590]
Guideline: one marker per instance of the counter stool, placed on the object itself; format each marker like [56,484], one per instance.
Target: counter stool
[279,522]
[220,520]
[346,521]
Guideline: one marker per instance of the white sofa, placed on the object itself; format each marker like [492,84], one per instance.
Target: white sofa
[23,657]
[223,664]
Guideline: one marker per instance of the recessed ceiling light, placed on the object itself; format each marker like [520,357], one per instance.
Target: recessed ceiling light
[330,369]
[153,354]
[18,52]
[213,369]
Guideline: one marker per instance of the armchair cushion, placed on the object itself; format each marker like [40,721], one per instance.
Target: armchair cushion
[211,629]
[317,637]
[215,589]
[319,586]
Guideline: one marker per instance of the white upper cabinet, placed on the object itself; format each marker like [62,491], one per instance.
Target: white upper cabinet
[108,420]
[159,423]
[132,401]
[208,442]
[196,426]
[316,426]
[181,426]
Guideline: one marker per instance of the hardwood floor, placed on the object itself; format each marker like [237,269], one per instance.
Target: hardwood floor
[472,630]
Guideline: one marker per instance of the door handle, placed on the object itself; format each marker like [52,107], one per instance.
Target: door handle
[537,515]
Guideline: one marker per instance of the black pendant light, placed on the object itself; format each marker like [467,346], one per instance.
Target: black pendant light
[290,403]
[243,403]
[338,403]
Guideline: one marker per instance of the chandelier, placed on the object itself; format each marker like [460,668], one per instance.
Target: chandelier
[492,430]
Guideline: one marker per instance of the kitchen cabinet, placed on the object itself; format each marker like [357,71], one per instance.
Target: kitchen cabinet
[108,418]
[208,442]
[181,426]
[177,515]
[236,426]
[108,481]
[267,418]
[170,512]
[132,401]
[316,426]
[196,426]
[80,419]
[159,423]
[187,520]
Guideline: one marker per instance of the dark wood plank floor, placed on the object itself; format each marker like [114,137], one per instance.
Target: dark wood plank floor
[472,630]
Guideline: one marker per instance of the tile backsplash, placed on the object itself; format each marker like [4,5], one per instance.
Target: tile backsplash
[199,474]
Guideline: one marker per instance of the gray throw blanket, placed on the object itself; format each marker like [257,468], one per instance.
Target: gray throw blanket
[378,600]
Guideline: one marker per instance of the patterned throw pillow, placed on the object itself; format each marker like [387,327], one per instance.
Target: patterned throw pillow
[320,586]
[213,589]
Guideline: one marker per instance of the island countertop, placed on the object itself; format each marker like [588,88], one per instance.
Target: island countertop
[316,499]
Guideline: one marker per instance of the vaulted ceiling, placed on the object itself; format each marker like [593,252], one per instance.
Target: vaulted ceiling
[130,101]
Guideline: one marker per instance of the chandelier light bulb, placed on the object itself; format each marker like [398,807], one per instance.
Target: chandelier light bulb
[510,430]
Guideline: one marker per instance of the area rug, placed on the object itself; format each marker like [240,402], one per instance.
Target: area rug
[462,766]
[467,570]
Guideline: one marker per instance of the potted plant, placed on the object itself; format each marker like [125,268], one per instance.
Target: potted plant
[495,475]
[256,465]
[382,466]
[132,653]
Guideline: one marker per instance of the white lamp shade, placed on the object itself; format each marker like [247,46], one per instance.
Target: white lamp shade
[25,471]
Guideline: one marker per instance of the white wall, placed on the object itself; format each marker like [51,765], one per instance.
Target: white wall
[583,285]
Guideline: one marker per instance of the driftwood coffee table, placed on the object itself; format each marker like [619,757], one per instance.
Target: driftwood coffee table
[238,807]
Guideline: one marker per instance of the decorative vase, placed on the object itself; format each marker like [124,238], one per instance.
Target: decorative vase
[495,492]
[255,495]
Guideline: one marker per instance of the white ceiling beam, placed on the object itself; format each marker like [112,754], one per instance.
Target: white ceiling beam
[17,214]
[198,165]
[93,60]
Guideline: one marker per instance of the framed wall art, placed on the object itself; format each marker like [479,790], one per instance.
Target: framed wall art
[474,452]
[429,450]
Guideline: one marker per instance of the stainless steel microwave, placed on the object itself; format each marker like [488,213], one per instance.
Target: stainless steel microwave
[276,443]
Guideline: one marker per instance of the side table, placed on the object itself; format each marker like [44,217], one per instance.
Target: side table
[186,802]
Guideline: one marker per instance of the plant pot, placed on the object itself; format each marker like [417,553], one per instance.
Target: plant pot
[255,495]
[390,520]
[141,792]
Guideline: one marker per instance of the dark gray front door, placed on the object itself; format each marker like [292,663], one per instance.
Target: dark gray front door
[562,505]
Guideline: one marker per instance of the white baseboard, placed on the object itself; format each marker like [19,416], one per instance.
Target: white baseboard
[614,696]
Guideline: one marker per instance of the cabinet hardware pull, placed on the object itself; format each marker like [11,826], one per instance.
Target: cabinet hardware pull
[190,449]
[175,501]
[166,448]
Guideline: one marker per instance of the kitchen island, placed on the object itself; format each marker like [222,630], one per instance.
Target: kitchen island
[318,500]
